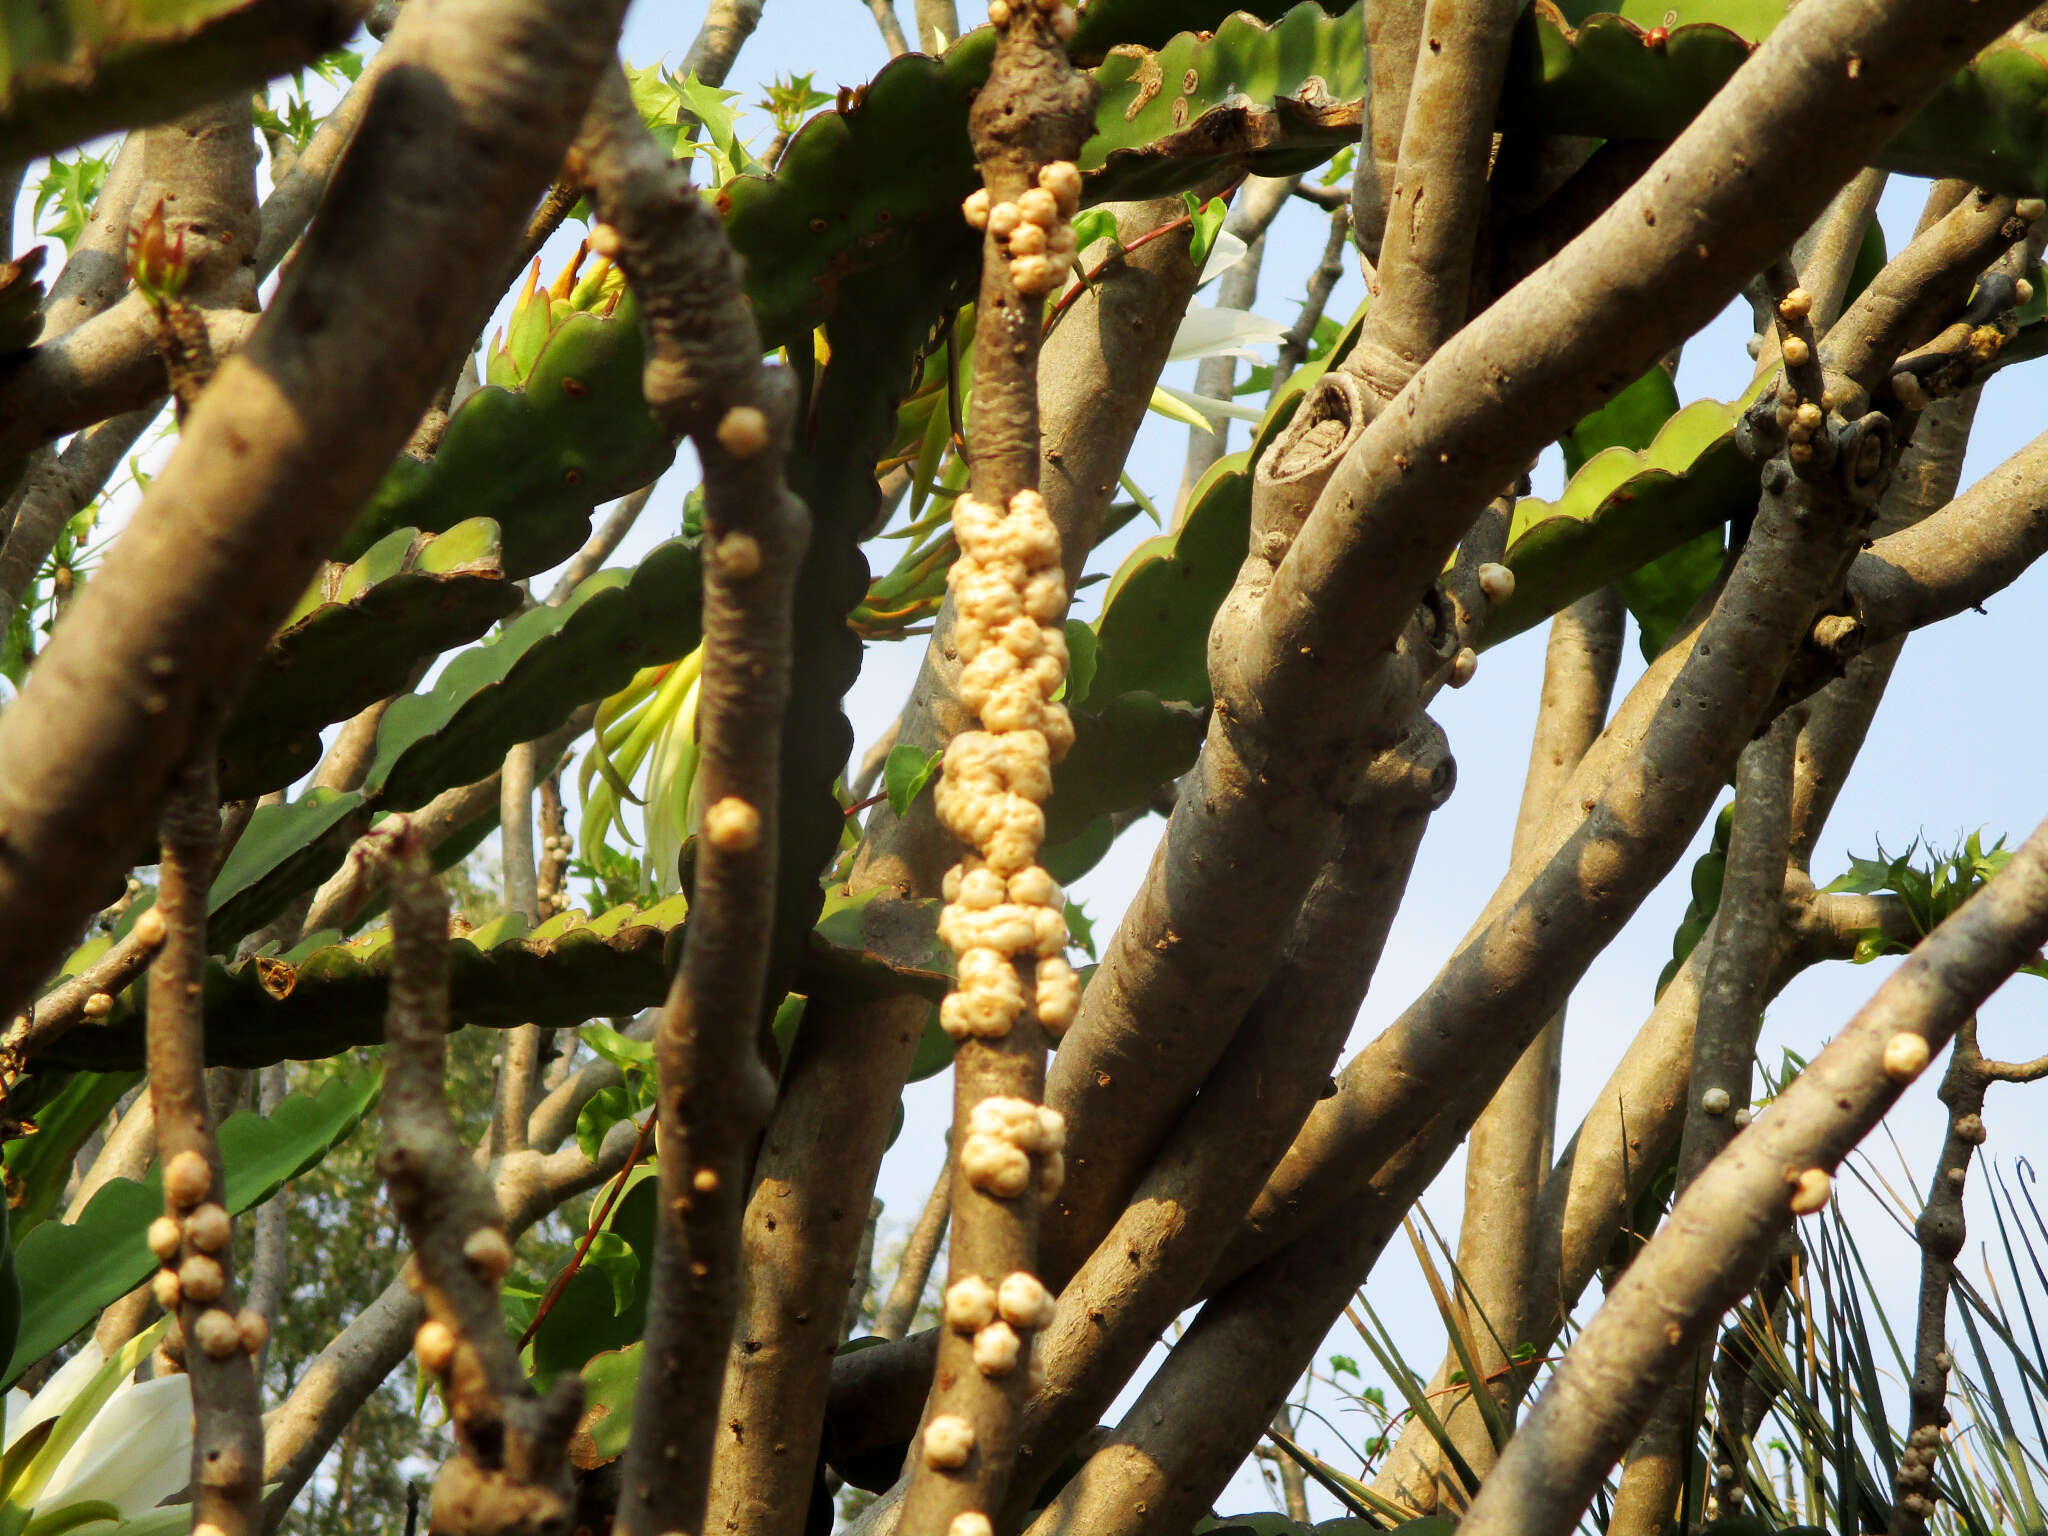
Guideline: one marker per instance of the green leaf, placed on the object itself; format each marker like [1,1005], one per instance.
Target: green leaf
[531,678]
[905,773]
[606,1108]
[282,851]
[326,996]
[534,460]
[609,1381]
[69,1271]
[1205,219]
[39,1166]
[604,1305]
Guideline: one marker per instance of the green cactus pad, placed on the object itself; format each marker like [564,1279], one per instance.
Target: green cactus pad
[876,187]
[535,460]
[1153,635]
[328,997]
[284,849]
[879,939]
[355,638]
[71,72]
[1124,748]
[1104,24]
[1581,68]
[1624,508]
[530,679]
[1284,96]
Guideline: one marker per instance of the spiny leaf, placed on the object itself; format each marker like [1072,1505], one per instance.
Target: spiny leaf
[1623,509]
[1578,68]
[1285,96]
[39,1166]
[530,679]
[69,1271]
[355,638]
[325,997]
[535,460]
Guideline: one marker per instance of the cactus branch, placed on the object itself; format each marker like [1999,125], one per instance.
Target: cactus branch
[1940,1233]
[1725,1227]
[920,1252]
[1167,1239]
[1439,190]
[704,377]
[193,1237]
[334,1387]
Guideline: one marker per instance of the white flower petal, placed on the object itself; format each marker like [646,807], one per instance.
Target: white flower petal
[1225,252]
[17,1417]
[1207,406]
[136,1452]
[72,1378]
[1216,331]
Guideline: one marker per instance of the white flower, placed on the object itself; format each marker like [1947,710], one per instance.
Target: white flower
[1225,252]
[1214,331]
[134,1452]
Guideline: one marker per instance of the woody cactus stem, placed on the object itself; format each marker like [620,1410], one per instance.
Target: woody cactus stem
[510,1475]
[704,377]
[193,1236]
[1002,917]
[1940,1234]
[1726,1226]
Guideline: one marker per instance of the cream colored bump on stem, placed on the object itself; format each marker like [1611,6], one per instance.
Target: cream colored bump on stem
[739,556]
[1905,1056]
[732,825]
[217,1334]
[435,1345]
[743,431]
[948,1442]
[188,1179]
[970,1304]
[488,1253]
[1811,1188]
